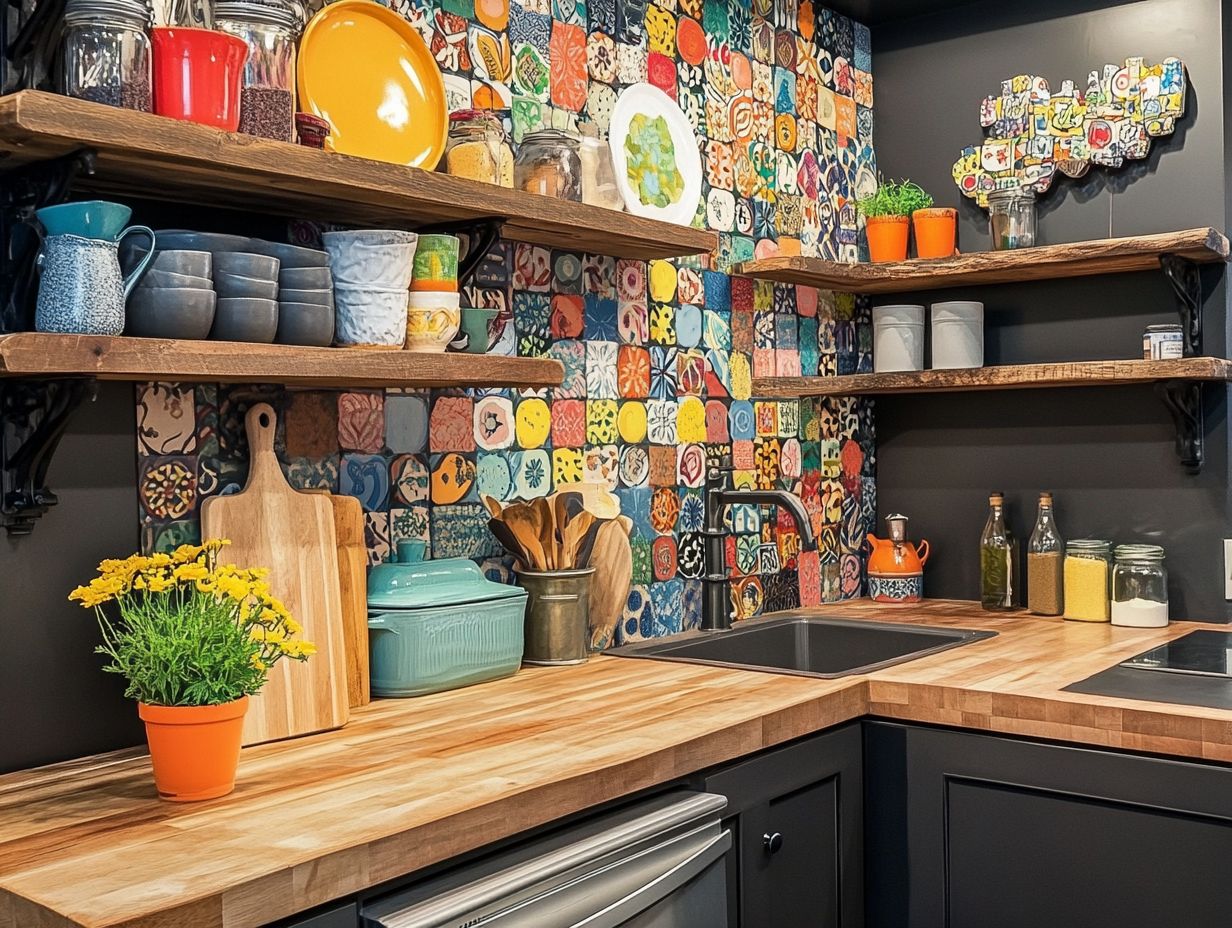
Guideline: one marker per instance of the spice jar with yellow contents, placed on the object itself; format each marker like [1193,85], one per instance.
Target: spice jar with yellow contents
[478,148]
[1088,567]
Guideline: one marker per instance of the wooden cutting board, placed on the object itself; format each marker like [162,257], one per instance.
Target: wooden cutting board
[353,577]
[272,525]
[612,559]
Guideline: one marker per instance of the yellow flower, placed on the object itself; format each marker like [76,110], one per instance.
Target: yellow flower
[159,583]
[185,554]
[257,662]
[194,570]
[205,585]
[215,544]
[159,559]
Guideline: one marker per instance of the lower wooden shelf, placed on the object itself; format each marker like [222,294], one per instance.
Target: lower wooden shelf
[1006,377]
[34,355]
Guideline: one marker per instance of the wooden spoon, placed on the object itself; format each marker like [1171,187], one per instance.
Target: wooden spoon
[504,534]
[546,519]
[524,524]
[575,532]
[493,505]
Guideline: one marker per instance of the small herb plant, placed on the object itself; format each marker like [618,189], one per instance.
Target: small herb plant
[190,631]
[894,198]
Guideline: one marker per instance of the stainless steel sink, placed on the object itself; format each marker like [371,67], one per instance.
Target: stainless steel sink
[807,646]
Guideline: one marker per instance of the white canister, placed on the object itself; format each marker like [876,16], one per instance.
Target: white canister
[958,334]
[898,338]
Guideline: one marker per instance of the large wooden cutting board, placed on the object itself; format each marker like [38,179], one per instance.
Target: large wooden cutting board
[353,574]
[292,533]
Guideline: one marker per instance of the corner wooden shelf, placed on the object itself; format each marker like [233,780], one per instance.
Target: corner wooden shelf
[1046,262]
[37,355]
[1006,377]
[142,155]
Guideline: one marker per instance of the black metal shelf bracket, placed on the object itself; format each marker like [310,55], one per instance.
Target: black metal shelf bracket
[1183,400]
[33,417]
[1186,281]
[22,191]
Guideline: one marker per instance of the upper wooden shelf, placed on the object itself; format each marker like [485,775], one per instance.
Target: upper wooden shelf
[1007,377]
[39,355]
[153,156]
[1046,262]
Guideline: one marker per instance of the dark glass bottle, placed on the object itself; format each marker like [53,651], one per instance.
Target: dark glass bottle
[998,559]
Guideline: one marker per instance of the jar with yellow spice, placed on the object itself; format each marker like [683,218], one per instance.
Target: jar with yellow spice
[478,148]
[1088,571]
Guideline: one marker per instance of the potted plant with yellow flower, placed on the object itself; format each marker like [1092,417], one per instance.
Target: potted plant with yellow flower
[194,638]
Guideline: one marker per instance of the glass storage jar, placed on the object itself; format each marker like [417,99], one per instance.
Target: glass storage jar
[598,173]
[267,89]
[478,148]
[1140,587]
[1088,565]
[1011,218]
[107,53]
[548,164]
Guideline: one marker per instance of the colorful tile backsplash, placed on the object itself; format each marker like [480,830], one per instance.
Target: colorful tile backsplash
[659,356]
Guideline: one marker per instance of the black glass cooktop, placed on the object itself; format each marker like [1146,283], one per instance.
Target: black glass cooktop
[1204,653]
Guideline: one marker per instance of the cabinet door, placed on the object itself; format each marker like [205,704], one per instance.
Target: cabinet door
[795,814]
[970,831]
[345,915]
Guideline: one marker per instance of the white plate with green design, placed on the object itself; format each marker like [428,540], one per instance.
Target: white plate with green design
[654,150]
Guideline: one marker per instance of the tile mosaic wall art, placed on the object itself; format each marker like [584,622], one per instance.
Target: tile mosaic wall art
[1034,134]
[659,356]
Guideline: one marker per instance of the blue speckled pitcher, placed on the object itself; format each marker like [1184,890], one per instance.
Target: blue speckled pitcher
[81,289]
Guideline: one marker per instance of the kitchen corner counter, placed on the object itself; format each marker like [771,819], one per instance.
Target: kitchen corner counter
[410,783]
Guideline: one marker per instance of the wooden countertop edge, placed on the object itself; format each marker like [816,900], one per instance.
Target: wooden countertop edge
[989,690]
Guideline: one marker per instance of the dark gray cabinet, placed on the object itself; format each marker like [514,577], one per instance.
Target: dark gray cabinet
[795,815]
[345,915]
[970,831]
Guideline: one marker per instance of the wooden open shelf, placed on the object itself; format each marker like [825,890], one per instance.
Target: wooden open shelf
[1046,262]
[152,156]
[41,355]
[1006,377]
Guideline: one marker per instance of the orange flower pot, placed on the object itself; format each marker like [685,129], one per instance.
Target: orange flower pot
[887,238]
[194,749]
[935,232]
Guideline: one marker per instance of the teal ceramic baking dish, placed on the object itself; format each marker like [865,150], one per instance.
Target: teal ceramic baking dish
[439,625]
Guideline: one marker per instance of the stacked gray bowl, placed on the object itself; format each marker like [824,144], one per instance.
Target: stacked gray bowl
[306,304]
[175,297]
[247,287]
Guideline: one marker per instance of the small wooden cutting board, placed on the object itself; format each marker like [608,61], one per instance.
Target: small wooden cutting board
[353,576]
[272,525]
[612,559]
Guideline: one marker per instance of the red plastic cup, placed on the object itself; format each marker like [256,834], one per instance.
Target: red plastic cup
[197,75]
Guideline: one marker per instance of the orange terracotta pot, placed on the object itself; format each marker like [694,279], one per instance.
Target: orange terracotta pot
[935,232]
[194,749]
[887,238]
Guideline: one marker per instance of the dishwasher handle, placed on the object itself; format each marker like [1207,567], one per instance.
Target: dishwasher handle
[621,911]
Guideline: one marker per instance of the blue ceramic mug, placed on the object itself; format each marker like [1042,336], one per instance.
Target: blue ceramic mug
[97,219]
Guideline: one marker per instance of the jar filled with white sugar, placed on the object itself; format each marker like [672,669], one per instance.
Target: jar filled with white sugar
[1139,587]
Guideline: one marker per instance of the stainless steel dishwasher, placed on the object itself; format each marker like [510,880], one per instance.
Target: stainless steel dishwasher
[658,864]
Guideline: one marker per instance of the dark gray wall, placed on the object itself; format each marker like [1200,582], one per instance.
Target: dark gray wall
[55,702]
[1106,453]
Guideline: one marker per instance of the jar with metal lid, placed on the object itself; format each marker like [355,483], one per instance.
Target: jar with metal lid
[478,148]
[107,56]
[1139,587]
[1011,218]
[1088,568]
[267,89]
[1163,342]
[549,164]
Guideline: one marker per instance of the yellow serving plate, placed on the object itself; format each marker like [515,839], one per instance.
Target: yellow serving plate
[365,69]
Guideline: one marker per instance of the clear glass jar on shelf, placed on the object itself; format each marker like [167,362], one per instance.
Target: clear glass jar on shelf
[1088,568]
[1139,587]
[598,173]
[107,56]
[1011,218]
[267,90]
[478,148]
[548,163]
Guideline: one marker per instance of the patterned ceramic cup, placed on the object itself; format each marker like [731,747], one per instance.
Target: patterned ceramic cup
[81,289]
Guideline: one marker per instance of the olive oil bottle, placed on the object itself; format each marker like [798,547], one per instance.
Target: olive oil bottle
[998,559]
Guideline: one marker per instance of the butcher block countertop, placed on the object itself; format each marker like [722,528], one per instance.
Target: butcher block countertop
[409,783]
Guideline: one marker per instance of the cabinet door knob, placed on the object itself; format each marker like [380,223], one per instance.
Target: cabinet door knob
[772,842]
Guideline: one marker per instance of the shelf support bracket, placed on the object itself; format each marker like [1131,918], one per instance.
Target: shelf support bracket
[1183,275]
[22,191]
[481,237]
[1183,400]
[33,417]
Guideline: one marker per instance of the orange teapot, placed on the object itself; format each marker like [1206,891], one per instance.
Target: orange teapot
[896,566]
